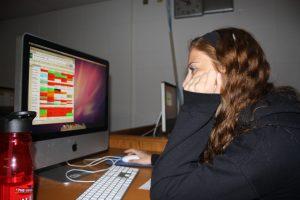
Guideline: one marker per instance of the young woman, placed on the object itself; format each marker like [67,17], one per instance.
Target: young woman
[237,136]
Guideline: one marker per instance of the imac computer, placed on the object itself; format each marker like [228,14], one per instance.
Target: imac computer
[68,90]
[169,107]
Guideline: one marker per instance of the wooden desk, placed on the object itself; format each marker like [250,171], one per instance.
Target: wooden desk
[50,190]
[123,141]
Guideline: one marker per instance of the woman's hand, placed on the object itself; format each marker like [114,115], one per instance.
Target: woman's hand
[145,158]
[207,82]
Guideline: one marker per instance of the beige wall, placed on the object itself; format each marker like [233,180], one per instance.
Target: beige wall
[134,38]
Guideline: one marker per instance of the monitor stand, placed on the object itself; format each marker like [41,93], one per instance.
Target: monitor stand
[58,173]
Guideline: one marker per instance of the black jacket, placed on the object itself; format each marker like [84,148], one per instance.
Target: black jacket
[263,163]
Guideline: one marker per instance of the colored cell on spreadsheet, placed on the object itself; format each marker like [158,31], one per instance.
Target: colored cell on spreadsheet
[44,81]
[58,112]
[50,99]
[43,94]
[59,75]
[57,90]
[50,89]
[43,113]
[51,83]
[59,84]
[44,89]
[43,75]
[51,77]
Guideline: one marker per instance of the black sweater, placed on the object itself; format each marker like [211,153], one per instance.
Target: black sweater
[263,163]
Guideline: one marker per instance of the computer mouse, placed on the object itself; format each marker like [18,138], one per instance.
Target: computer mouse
[129,158]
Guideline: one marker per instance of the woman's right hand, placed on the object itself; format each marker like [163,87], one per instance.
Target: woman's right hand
[145,158]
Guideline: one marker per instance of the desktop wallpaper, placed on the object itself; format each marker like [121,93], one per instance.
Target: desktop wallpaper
[90,92]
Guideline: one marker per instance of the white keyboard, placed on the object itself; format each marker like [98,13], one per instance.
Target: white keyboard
[112,185]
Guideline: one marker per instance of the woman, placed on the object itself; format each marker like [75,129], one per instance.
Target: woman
[237,136]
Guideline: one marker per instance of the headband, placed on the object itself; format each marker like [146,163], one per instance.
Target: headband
[212,37]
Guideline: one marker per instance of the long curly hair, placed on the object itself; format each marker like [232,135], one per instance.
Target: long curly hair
[241,60]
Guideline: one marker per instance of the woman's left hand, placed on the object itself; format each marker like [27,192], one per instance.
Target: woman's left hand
[207,82]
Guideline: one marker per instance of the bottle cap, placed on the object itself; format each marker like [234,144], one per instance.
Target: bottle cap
[17,122]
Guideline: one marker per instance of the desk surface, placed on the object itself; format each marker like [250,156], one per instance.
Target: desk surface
[49,189]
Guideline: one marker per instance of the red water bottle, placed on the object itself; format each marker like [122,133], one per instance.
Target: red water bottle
[16,168]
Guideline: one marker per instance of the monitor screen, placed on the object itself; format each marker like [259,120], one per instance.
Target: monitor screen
[68,92]
[169,106]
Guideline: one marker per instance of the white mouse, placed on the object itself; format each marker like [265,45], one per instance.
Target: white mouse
[129,158]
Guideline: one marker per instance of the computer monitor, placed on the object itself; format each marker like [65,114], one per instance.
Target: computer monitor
[169,106]
[69,91]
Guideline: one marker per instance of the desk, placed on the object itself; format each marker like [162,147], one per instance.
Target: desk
[49,189]
[152,144]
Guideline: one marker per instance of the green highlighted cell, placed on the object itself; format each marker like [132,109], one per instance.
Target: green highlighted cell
[43,112]
[51,71]
[44,89]
[69,114]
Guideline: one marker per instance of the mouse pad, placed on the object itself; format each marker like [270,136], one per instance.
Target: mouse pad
[128,164]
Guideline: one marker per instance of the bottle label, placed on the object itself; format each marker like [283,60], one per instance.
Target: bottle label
[18,192]
[24,192]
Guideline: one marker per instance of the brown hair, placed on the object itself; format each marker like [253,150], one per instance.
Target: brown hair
[246,72]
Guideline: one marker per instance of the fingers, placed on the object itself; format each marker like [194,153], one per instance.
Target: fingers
[219,83]
[191,85]
[194,86]
[131,151]
[211,82]
[187,78]
[141,161]
[139,153]
[208,82]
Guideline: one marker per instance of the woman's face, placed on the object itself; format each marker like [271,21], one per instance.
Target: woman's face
[202,76]
[199,63]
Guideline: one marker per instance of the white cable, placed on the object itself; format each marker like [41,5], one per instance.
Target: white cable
[151,130]
[147,132]
[91,171]
[80,170]
[94,161]
[157,124]
[116,157]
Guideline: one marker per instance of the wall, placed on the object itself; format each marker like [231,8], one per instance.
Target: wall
[102,29]
[134,38]
[274,23]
